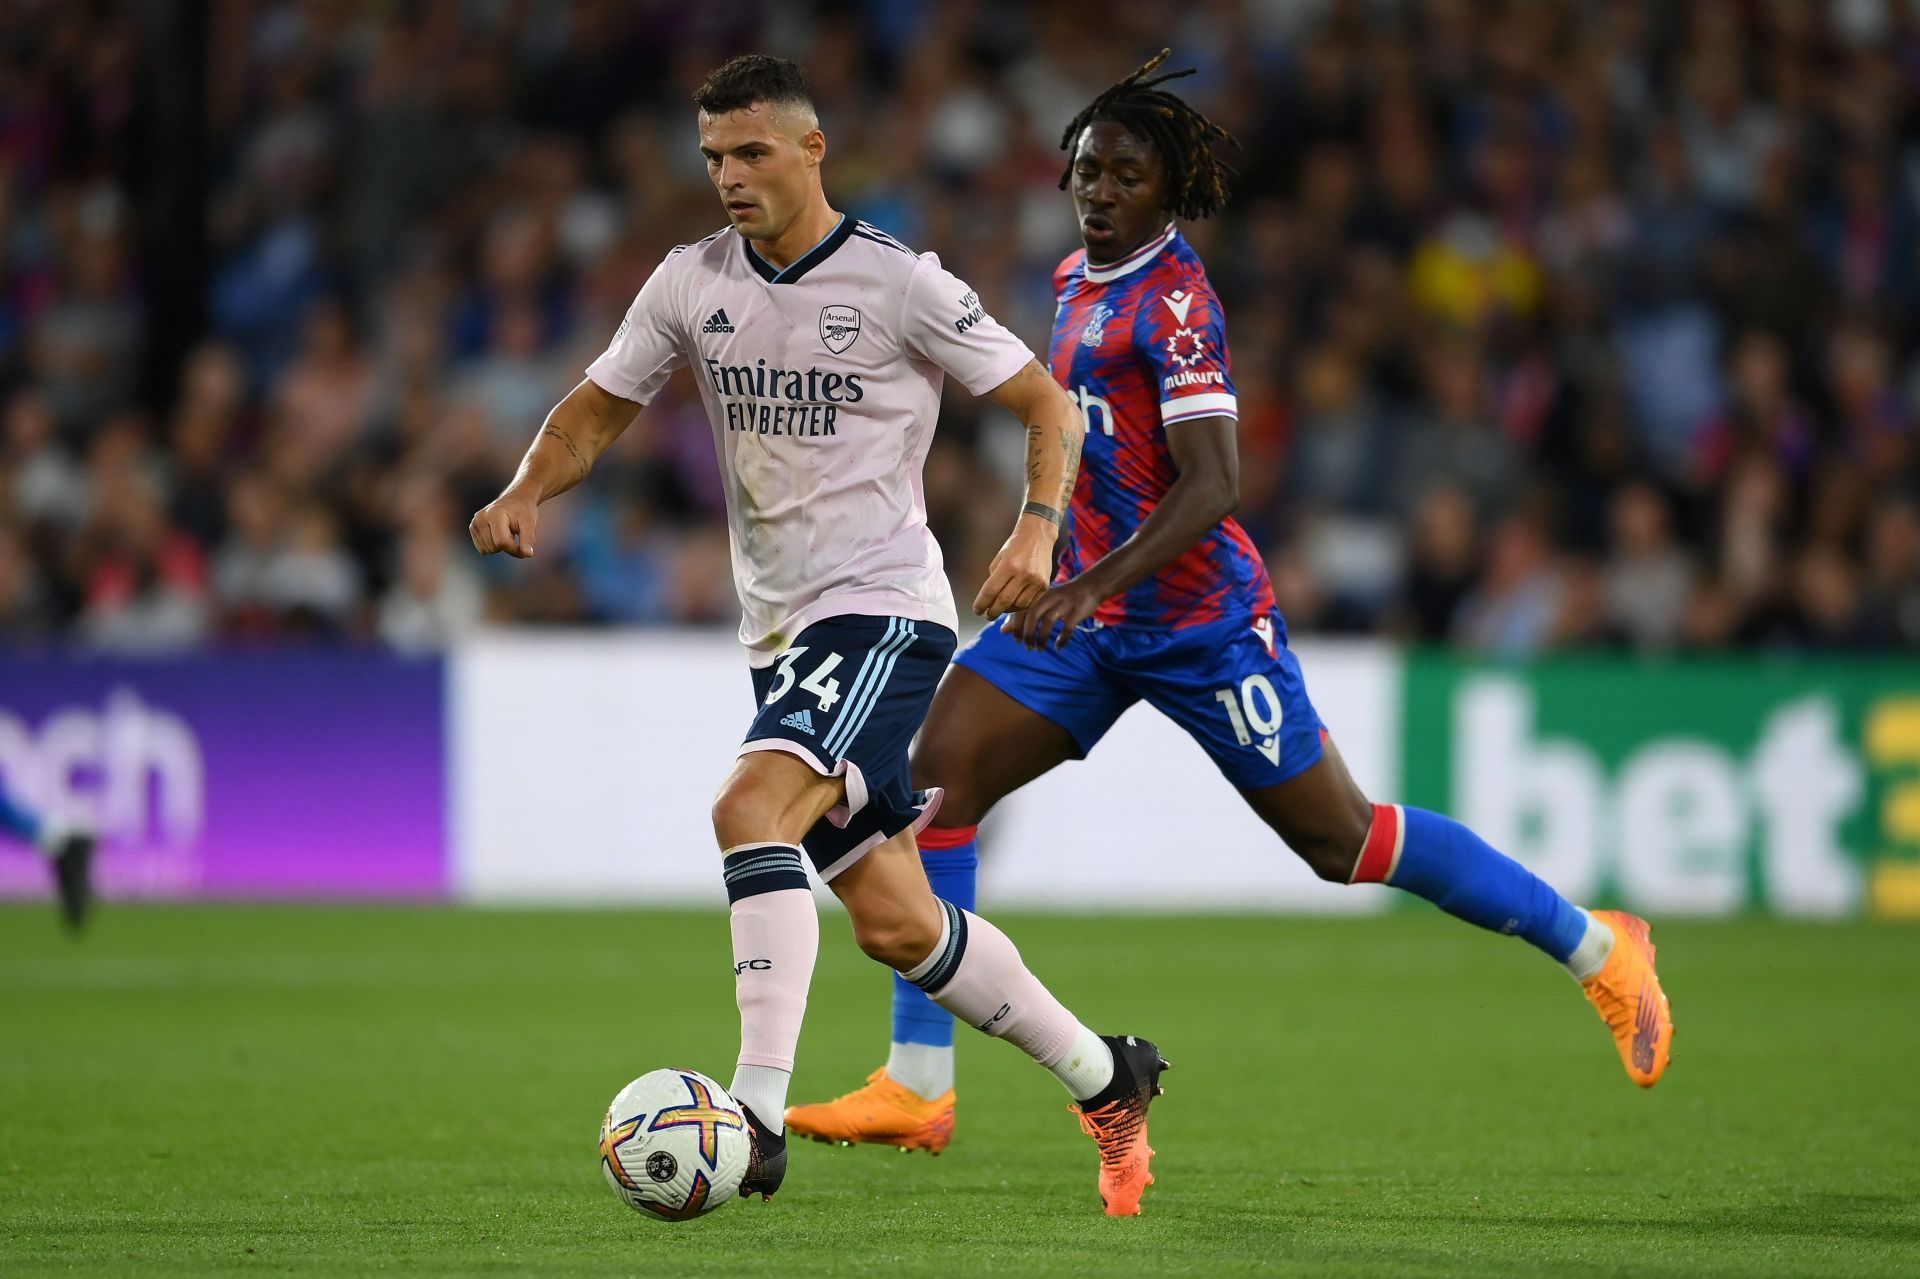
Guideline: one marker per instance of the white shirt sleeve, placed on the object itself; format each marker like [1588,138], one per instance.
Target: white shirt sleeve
[946,324]
[647,347]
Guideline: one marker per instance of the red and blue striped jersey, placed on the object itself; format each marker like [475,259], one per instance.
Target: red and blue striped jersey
[1141,345]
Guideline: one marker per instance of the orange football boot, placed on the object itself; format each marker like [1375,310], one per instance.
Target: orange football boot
[1627,992]
[1119,1127]
[883,1113]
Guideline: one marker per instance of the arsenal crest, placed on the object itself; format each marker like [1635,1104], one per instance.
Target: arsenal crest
[839,326]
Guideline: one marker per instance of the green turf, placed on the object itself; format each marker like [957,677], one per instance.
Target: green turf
[340,1091]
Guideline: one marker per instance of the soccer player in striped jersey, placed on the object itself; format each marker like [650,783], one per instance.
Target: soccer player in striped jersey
[1160,596]
[819,345]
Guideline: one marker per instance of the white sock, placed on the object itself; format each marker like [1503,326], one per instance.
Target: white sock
[1590,956]
[925,1069]
[763,1089]
[1088,1066]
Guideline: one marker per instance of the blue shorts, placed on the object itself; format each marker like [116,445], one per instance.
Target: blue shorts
[847,696]
[1235,688]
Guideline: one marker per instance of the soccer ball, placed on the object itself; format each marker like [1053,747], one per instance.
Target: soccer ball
[674,1145]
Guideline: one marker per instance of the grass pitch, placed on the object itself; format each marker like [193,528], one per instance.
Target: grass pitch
[208,1090]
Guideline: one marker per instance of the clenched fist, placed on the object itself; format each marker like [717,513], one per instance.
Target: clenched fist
[1020,572]
[505,524]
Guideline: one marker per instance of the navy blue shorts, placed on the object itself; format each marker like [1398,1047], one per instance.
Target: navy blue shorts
[847,696]
[1234,687]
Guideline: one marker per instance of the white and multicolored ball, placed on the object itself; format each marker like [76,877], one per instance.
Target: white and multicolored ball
[674,1145]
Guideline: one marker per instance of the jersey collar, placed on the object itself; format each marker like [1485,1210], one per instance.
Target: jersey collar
[842,231]
[1133,261]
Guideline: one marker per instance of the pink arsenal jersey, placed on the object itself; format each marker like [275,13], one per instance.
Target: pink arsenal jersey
[822,382]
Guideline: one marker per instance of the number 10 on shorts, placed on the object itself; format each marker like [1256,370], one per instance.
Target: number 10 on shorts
[1255,712]
[817,681]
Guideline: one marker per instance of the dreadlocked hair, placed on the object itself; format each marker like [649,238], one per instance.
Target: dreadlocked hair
[1196,178]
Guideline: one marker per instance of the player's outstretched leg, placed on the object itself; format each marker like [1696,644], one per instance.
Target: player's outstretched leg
[972,969]
[1607,952]
[1324,817]
[978,745]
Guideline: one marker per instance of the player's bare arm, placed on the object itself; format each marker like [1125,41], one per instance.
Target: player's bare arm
[580,428]
[1056,430]
[1206,492]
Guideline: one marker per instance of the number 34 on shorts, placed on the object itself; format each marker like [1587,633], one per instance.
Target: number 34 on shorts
[851,687]
[818,680]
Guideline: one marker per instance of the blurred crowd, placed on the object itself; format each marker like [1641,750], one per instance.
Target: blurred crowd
[1555,322]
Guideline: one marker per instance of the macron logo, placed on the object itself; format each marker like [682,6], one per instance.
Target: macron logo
[1177,302]
[718,323]
[801,720]
[1263,627]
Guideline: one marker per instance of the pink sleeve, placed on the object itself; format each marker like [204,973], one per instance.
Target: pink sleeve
[646,348]
[946,324]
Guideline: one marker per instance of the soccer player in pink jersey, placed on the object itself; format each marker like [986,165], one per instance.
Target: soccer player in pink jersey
[1161,597]
[819,345]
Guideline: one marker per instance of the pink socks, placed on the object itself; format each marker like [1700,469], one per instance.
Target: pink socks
[776,934]
[976,973]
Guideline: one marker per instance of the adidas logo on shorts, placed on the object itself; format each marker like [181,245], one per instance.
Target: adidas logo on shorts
[802,720]
[718,323]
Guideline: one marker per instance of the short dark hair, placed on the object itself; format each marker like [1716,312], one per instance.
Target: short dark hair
[751,78]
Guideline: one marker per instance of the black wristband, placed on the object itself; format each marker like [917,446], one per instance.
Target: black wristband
[1044,511]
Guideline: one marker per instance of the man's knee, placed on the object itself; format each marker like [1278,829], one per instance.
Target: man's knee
[769,797]
[1330,841]
[739,808]
[958,809]
[938,764]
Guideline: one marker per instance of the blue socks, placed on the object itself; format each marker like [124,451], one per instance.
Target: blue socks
[17,821]
[954,874]
[1421,852]
[1437,858]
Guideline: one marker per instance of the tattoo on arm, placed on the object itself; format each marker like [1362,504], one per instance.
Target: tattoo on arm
[1070,444]
[1044,511]
[567,440]
[1033,455]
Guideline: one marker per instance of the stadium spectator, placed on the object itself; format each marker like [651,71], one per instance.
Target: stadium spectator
[1648,577]
[1518,608]
[435,596]
[1578,323]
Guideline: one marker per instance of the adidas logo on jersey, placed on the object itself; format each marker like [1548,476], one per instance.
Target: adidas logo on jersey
[802,720]
[718,323]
